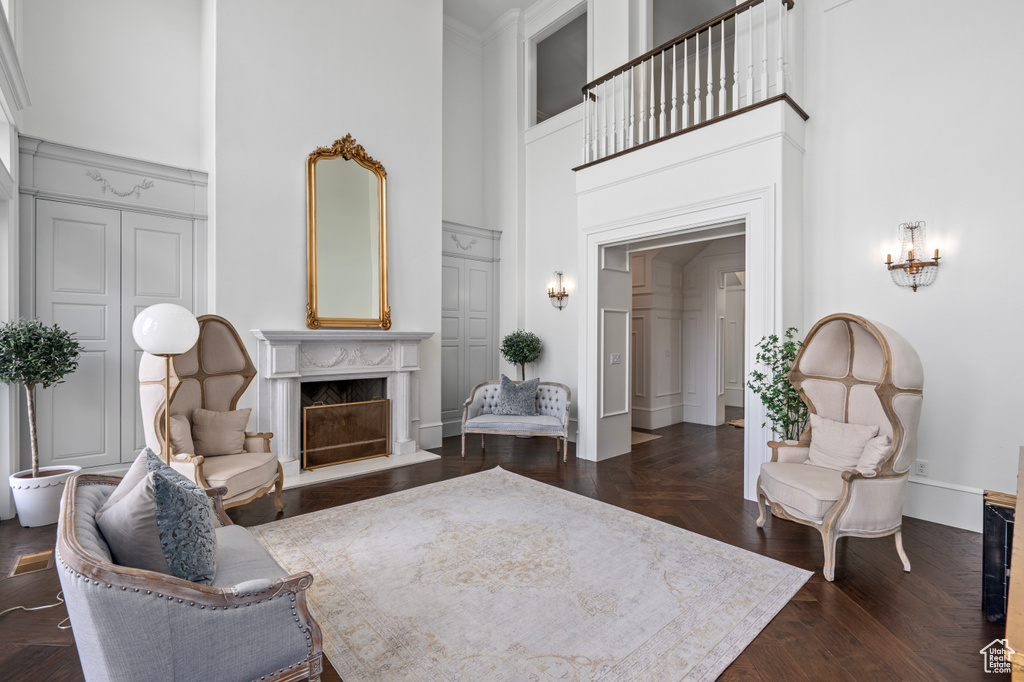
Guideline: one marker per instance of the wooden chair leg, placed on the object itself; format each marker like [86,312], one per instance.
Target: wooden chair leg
[483,445]
[899,550]
[565,451]
[279,488]
[463,445]
[760,507]
[828,540]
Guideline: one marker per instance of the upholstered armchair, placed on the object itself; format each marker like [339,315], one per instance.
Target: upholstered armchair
[251,622]
[856,372]
[213,375]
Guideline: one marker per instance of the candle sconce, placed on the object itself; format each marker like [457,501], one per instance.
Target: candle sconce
[557,294]
[909,270]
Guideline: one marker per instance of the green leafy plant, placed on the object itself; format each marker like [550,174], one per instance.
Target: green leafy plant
[786,410]
[521,347]
[33,354]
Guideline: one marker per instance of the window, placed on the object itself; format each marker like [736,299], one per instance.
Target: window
[562,69]
[675,17]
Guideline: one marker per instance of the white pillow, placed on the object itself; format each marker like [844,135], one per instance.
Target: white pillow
[837,445]
[874,452]
[181,435]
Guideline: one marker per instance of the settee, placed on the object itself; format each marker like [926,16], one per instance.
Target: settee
[552,418]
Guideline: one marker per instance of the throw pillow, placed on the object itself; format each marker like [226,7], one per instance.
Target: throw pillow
[136,472]
[517,399]
[181,435]
[219,433]
[163,525]
[837,445]
[874,452]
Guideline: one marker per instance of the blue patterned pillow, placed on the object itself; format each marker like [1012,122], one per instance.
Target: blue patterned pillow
[163,524]
[517,399]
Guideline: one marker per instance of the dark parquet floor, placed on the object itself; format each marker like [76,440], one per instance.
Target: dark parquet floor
[874,623]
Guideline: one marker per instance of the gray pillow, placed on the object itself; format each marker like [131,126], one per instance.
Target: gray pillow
[163,524]
[517,399]
[219,433]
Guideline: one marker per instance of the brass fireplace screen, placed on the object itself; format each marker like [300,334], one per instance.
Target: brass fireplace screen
[333,434]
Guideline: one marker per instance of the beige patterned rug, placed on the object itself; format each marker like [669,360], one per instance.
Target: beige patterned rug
[637,437]
[494,576]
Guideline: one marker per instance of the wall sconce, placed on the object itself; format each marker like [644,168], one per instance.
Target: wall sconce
[557,294]
[909,270]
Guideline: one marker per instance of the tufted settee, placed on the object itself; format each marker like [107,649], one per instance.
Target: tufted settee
[552,418]
[250,623]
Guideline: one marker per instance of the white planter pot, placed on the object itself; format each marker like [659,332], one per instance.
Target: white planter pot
[38,499]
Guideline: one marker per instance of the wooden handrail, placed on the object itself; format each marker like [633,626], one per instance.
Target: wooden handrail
[679,39]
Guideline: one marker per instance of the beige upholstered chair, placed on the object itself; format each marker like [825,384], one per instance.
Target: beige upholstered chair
[213,375]
[854,371]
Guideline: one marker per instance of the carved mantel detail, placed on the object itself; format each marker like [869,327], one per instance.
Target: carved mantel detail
[136,190]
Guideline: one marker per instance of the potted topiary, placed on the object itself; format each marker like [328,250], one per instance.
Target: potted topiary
[33,354]
[785,408]
[521,347]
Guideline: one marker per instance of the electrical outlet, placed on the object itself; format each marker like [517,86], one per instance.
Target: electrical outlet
[615,359]
[668,353]
[921,467]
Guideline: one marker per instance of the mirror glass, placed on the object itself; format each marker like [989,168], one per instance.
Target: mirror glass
[347,238]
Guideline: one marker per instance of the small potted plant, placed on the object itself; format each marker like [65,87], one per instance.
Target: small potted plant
[786,410]
[521,347]
[33,354]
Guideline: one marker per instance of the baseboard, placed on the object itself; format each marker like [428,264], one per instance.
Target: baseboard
[430,436]
[452,428]
[946,503]
[651,418]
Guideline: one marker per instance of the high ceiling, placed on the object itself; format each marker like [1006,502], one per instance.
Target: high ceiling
[480,14]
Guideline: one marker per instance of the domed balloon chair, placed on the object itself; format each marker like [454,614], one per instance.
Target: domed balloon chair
[847,475]
[212,376]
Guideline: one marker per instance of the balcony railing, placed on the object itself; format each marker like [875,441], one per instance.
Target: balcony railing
[732,63]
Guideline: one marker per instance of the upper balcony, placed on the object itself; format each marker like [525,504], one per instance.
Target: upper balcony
[736,62]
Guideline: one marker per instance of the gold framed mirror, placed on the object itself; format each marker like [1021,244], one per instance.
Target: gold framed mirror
[347,245]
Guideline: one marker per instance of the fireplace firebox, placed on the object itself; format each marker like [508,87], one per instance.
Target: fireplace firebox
[344,421]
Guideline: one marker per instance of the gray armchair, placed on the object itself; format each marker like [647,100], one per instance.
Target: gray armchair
[251,623]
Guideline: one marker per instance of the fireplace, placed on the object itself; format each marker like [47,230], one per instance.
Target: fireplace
[288,359]
[344,420]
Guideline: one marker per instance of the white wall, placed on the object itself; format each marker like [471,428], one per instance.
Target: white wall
[462,184]
[552,149]
[287,85]
[892,138]
[118,76]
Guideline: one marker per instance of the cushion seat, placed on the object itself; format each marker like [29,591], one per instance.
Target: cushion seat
[242,558]
[239,473]
[809,490]
[508,422]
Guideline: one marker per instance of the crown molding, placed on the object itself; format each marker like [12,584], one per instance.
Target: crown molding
[511,19]
[463,35]
[12,80]
[546,16]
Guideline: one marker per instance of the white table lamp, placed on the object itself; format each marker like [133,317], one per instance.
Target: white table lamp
[166,329]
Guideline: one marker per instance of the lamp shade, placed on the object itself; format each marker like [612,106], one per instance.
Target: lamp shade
[165,329]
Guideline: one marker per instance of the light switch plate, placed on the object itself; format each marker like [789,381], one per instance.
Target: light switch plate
[616,359]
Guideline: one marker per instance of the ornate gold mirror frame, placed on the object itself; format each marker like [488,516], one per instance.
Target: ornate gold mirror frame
[347,149]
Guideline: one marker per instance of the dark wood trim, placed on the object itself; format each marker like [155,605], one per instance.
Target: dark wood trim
[771,100]
[678,39]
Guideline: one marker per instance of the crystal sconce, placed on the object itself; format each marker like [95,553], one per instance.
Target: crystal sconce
[910,270]
[557,294]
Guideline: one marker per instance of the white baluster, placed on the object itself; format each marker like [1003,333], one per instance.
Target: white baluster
[586,126]
[686,85]
[721,72]
[609,126]
[711,76]
[779,88]
[661,119]
[696,82]
[783,38]
[621,111]
[651,121]
[764,53]
[630,137]
[736,63]
[750,56]
[674,116]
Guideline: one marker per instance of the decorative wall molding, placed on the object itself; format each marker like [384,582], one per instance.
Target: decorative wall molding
[463,36]
[12,80]
[350,357]
[136,190]
[458,243]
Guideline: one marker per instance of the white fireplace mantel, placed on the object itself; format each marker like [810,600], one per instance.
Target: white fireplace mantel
[286,358]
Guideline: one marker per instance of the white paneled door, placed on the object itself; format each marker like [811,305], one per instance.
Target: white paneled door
[95,268]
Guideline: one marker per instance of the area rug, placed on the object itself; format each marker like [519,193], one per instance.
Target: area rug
[494,576]
[738,423]
[637,437]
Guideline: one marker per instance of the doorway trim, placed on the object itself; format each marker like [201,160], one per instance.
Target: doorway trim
[756,210]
